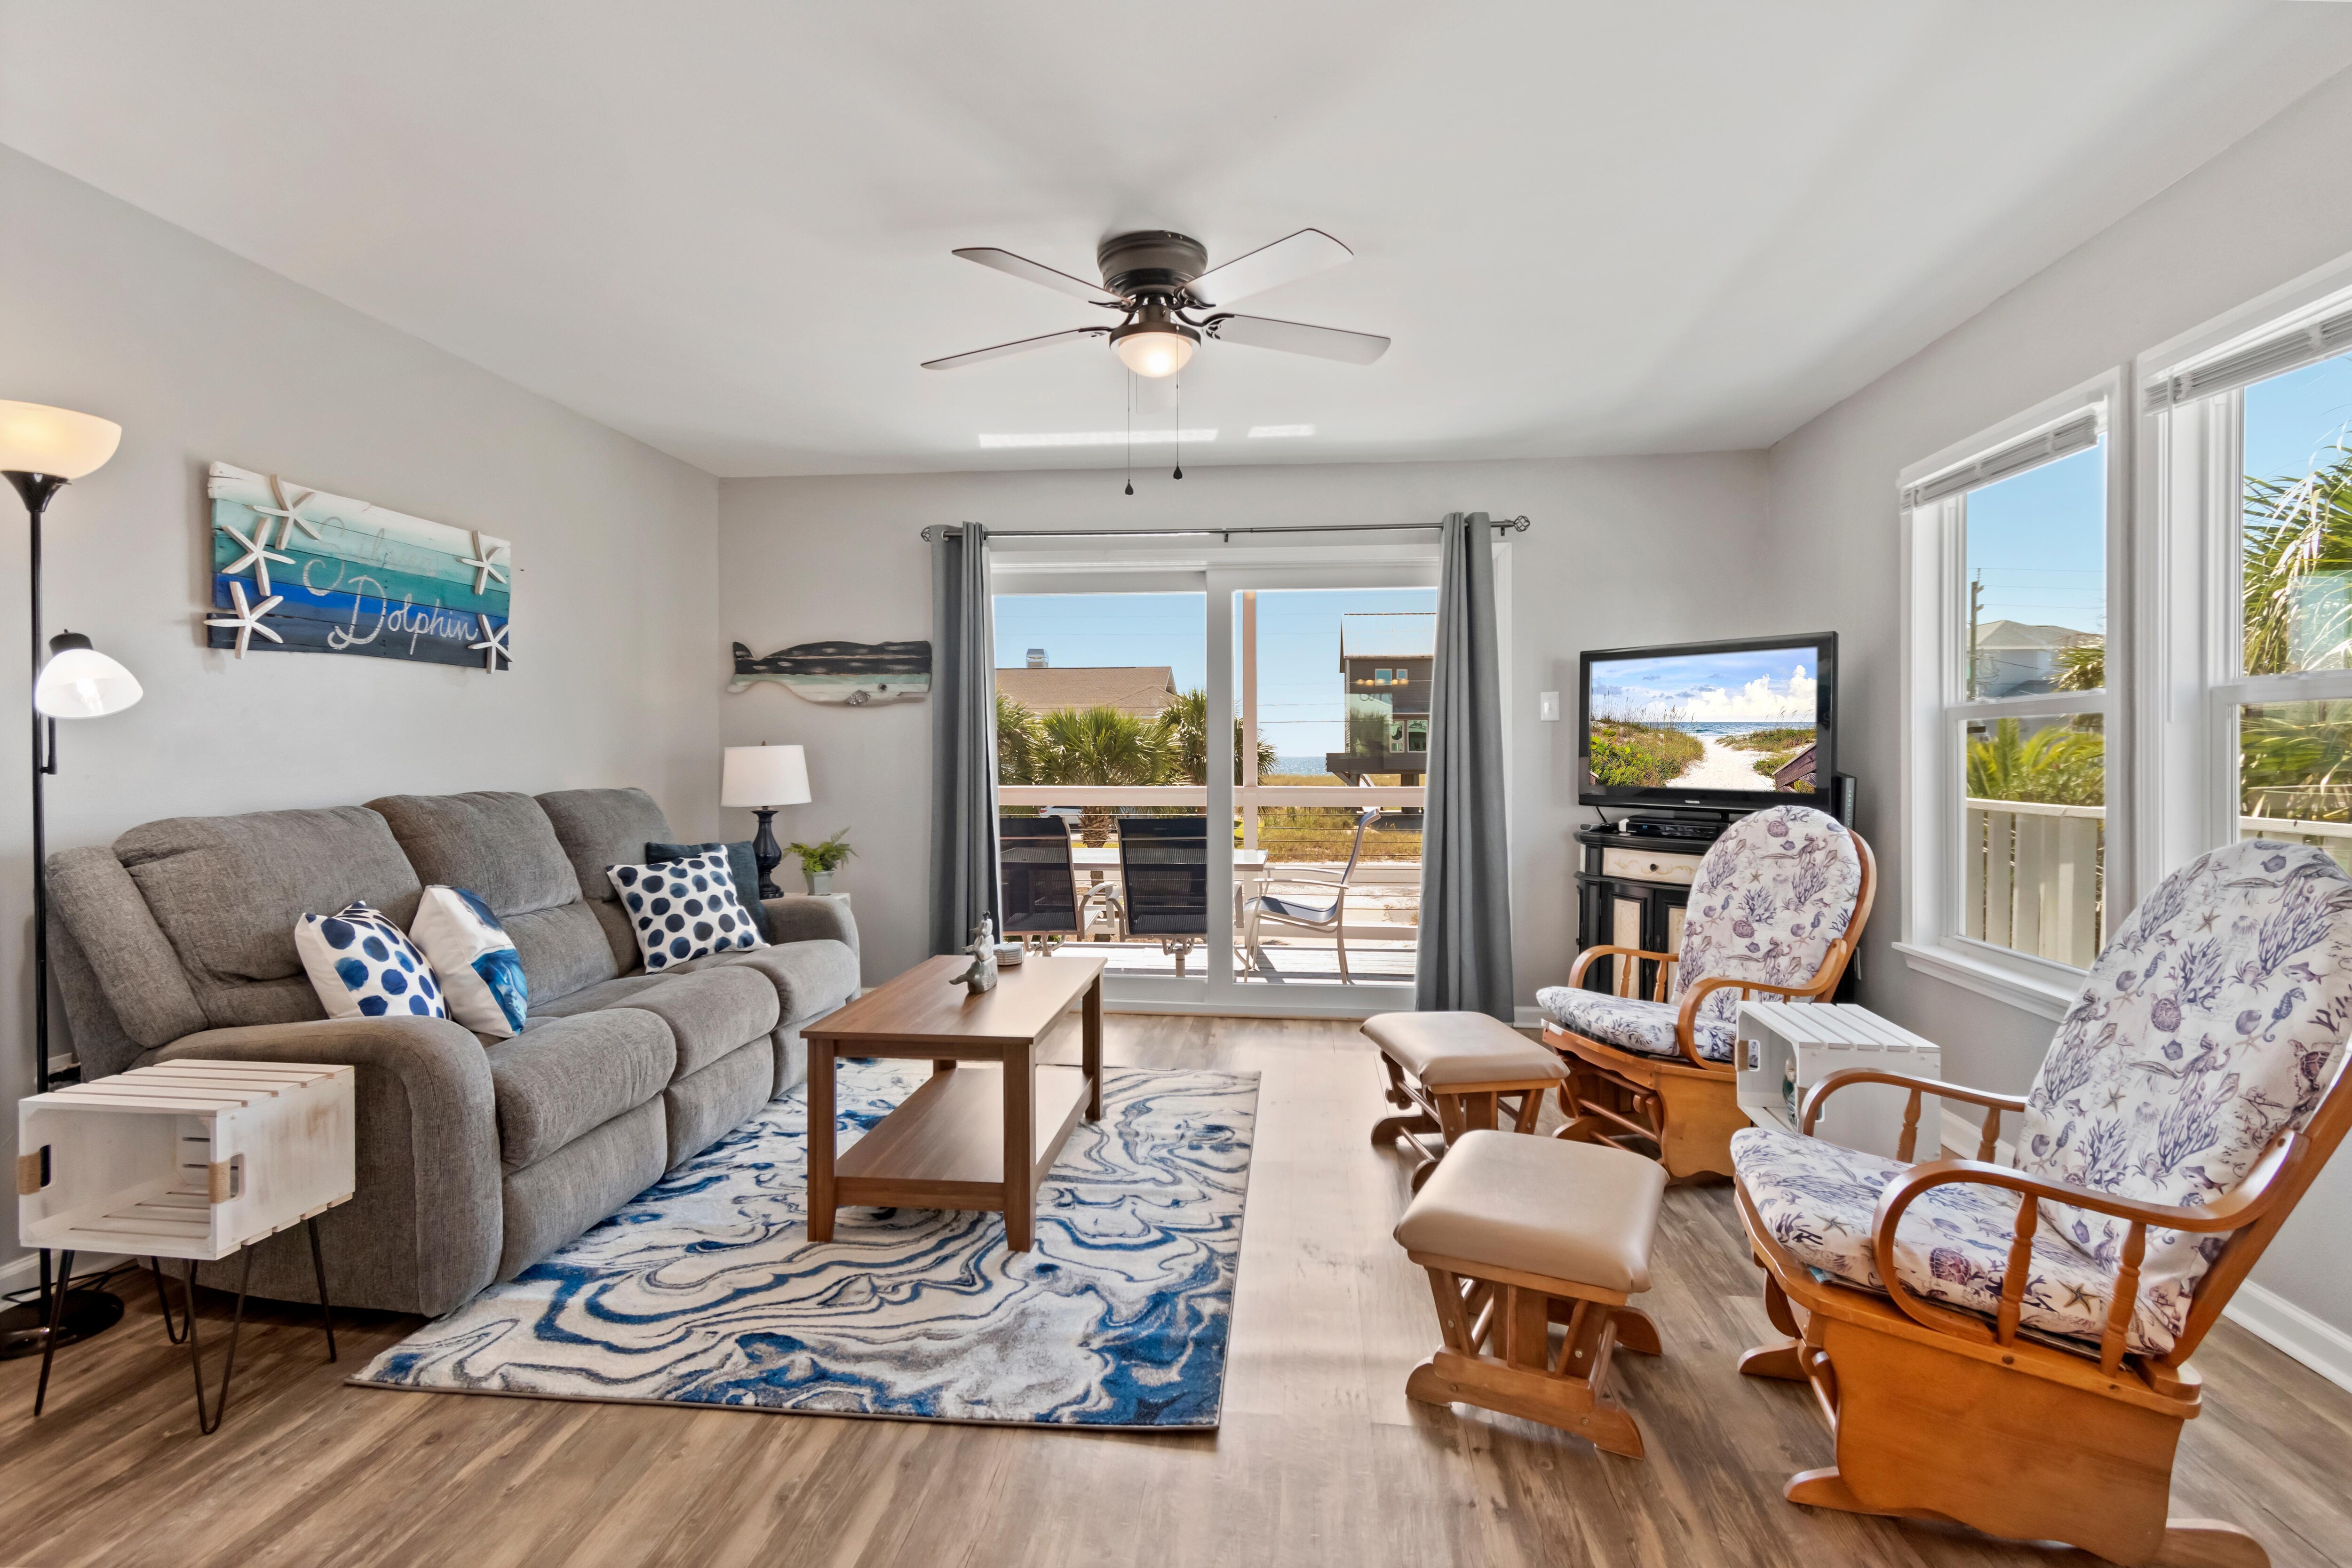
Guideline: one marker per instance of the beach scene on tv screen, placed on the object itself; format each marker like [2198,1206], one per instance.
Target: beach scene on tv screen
[1712,720]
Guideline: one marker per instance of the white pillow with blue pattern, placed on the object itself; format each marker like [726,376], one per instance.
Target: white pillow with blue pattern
[684,909]
[475,959]
[363,967]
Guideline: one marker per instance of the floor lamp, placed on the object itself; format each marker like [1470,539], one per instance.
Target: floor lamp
[42,450]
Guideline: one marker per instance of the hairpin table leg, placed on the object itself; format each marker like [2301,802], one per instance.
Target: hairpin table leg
[319,1269]
[163,1303]
[209,1424]
[56,1320]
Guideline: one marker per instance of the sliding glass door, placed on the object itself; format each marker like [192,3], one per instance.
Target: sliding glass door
[1286,700]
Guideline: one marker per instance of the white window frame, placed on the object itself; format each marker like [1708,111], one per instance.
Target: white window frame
[2189,393]
[1932,676]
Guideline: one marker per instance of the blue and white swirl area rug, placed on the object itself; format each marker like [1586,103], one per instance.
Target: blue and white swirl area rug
[706,1290]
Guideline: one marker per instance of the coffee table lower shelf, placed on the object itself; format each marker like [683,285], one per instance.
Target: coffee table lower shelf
[943,1147]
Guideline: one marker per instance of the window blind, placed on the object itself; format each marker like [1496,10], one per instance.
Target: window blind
[2281,351]
[2062,440]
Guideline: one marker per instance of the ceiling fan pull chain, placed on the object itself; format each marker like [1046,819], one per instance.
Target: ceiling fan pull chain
[1128,377]
[1180,424]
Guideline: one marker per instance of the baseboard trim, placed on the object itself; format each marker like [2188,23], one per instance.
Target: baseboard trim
[23,1273]
[2273,1319]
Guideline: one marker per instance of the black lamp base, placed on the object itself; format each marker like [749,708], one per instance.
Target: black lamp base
[87,1314]
[766,853]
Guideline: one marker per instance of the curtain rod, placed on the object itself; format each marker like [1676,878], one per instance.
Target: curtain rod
[939,530]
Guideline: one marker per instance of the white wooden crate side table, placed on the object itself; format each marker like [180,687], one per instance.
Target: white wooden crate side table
[188,1159]
[1822,1037]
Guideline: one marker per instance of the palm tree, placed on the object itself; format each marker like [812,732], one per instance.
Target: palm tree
[2298,547]
[1186,722]
[2059,765]
[2082,666]
[1100,746]
[1018,741]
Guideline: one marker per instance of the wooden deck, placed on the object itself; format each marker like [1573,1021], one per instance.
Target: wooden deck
[1321,1459]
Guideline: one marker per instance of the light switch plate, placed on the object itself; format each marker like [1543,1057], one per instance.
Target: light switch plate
[1548,706]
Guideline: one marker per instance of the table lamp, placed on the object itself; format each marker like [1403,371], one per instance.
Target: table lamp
[764,778]
[42,450]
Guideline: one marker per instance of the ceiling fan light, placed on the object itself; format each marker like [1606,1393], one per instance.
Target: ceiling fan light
[1155,349]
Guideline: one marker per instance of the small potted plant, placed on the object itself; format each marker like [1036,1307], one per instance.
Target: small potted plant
[820,861]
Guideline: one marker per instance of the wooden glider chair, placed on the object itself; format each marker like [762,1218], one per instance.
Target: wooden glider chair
[2007,1347]
[1312,900]
[1776,909]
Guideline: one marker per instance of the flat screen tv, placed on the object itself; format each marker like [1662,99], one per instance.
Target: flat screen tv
[1718,724]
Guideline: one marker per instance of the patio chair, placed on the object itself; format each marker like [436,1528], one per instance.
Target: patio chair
[1776,908]
[1040,882]
[1325,914]
[1163,872]
[2008,1346]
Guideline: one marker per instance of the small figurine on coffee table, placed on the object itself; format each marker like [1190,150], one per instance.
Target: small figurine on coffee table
[981,976]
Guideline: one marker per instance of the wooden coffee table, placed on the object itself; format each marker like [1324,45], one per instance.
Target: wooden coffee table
[960,1142]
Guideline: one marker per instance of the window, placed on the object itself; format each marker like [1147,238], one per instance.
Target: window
[2009,539]
[2250,510]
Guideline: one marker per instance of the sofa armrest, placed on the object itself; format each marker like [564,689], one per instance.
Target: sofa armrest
[797,916]
[422,1229]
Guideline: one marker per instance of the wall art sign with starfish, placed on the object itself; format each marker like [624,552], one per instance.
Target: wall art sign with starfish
[296,570]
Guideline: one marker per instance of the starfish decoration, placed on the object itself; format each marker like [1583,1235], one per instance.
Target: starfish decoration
[258,556]
[493,646]
[484,561]
[2207,925]
[290,510]
[2115,1097]
[2077,1297]
[248,621]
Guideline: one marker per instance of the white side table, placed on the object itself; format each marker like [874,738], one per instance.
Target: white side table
[188,1159]
[1780,1042]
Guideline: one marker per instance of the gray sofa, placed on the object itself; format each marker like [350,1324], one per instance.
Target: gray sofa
[476,1157]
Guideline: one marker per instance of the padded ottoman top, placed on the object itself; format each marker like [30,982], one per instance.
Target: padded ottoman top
[1443,1049]
[1579,1212]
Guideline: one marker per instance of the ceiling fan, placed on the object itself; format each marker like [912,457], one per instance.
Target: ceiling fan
[1169,298]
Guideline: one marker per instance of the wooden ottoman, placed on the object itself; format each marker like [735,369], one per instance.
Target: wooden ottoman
[1453,1071]
[1518,1234]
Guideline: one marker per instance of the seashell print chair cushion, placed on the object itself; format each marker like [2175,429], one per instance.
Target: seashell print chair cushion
[1629,1023]
[2217,1016]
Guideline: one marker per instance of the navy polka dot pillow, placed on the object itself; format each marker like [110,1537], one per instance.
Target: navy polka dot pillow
[363,966]
[684,909]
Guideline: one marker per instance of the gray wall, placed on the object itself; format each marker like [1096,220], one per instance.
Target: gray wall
[201,356]
[2245,223]
[1605,564]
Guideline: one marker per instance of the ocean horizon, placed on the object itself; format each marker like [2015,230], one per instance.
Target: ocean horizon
[1726,726]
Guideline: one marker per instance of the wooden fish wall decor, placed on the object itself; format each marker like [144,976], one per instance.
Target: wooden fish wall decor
[853,674]
[299,570]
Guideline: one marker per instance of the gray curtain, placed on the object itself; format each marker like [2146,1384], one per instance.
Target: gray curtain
[1465,959]
[963,739]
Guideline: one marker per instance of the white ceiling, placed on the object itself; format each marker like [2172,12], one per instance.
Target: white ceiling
[723,225]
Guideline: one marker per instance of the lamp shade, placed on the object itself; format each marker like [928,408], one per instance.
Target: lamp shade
[79,682]
[37,439]
[762,777]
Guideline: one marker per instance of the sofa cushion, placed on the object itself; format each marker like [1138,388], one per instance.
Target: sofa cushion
[481,976]
[499,845]
[563,1077]
[601,827]
[561,950]
[810,977]
[120,963]
[743,865]
[362,966]
[226,890]
[685,909]
[710,1013]
[589,998]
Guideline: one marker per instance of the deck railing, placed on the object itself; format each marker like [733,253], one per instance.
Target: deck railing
[2036,875]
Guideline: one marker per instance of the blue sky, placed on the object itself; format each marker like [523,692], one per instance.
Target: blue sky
[2038,542]
[1299,695]
[1761,685]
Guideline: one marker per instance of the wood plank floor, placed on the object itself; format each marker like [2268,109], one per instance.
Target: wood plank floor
[1322,1460]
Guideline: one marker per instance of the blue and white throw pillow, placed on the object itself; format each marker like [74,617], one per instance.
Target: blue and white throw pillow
[362,967]
[480,972]
[684,909]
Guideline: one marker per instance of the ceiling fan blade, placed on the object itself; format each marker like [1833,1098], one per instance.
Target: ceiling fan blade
[1037,273]
[1297,338]
[1006,351]
[1308,250]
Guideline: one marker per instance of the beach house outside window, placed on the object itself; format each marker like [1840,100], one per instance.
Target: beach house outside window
[2009,538]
